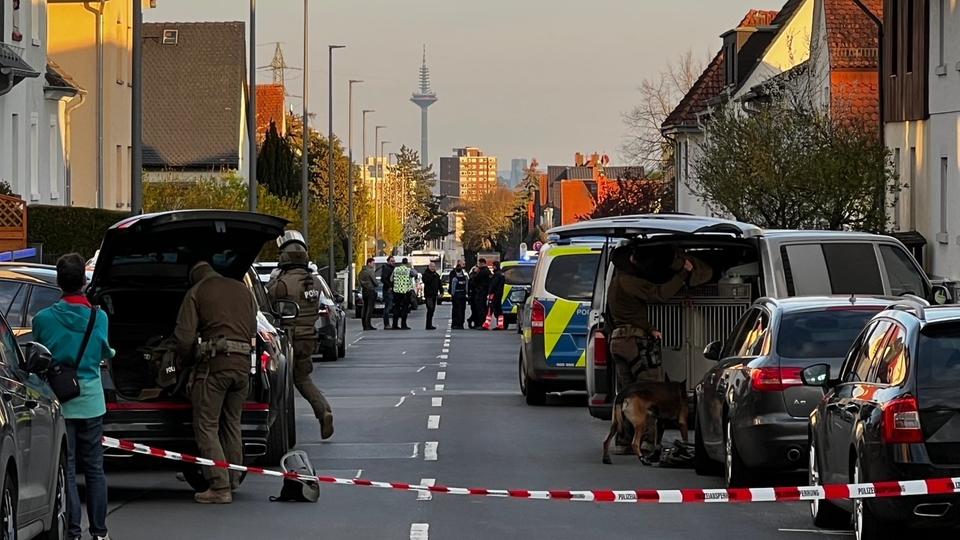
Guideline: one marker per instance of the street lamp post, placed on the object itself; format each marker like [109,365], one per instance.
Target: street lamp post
[377,187]
[350,222]
[383,183]
[305,165]
[331,267]
[136,117]
[252,112]
[363,154]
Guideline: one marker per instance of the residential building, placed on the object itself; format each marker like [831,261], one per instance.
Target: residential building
[467,176]
[921,110]
[194,100]
[271,107]
[36,98]
[99,141]
[572,190]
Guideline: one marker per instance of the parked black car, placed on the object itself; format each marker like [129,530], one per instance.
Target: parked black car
[25,289]
[331,325]
[33,444]
[891,412]
[751,407]
[140,279]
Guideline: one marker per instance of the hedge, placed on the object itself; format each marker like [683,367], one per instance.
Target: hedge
[66,229]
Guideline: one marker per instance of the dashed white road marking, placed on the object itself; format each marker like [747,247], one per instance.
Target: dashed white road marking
[438,388]
[442,356]
[446,342]
[437,401]
[403,353]
[359,472]
[354,342]
[816,531]
[444,350]
[421,369]
[426,495]
[433,421]
[441,375]
[399,403]
[419,531]
[443,364]
[430,450]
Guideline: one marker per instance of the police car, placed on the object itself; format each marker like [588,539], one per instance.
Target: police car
[517,277]
[554,319]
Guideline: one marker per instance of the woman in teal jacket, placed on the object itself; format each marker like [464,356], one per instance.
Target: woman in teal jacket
[61,328]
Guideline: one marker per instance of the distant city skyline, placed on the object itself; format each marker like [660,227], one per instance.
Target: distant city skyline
[514,77]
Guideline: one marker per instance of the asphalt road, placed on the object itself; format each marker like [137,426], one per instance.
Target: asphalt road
[404,413]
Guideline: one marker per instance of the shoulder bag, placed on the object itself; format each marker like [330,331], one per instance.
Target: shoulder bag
[63,377]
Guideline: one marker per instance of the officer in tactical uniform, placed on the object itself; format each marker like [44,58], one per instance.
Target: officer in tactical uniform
[641,279]
[297,284]
[222,313]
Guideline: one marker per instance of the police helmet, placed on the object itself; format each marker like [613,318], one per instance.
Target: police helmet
[298,489]
[293,250]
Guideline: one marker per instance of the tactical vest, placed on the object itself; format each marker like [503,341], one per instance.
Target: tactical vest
[461,287]
[302,288]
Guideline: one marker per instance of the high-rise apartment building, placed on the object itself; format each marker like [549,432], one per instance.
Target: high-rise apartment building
[468,175]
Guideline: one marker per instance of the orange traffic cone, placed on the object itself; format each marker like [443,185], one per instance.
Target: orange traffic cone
[489,322]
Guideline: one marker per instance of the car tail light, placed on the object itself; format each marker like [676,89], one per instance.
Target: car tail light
[901,421]
[537,317]
[774,379]
[265,361]
[599,349]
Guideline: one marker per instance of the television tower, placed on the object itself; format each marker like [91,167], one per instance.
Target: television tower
[424,97]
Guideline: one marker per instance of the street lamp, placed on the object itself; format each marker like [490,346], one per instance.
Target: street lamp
[383,184]
[376,189]
[252,112]
[366,171]
[305,166]
[350,225]
[331,268]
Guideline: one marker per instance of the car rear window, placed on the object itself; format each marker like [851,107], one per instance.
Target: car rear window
[518,275]
[821,334]
[571,277]
[938,356]
[831,268]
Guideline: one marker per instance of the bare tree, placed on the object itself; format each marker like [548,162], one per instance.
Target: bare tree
[644,144]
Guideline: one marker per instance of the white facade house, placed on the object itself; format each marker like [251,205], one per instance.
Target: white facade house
[922,131]
[35,100]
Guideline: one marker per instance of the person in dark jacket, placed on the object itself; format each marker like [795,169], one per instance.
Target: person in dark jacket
[368,287]
[61,328]
[386,280]
[432,289]
[479,285]
[495,295]
[459,292]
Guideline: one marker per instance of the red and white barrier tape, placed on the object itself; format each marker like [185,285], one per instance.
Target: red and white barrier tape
[937,486]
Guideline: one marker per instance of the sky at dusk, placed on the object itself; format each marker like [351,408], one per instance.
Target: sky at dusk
[518,78]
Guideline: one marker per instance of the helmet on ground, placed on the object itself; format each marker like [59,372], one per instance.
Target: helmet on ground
[298,489]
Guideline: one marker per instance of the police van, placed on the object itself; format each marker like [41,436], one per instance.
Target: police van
[517,278]
[748,262]
[554,318]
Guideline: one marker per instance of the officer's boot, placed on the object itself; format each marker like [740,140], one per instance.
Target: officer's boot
[326,425]
[214,496]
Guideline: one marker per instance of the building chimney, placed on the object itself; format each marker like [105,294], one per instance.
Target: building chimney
[594,159]
[578,159]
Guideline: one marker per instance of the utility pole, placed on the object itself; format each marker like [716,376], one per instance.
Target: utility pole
[366,174]
[305,164]
[377,188]
[136,117]
[383,182]
[252,110]
[331,268]
[351,267]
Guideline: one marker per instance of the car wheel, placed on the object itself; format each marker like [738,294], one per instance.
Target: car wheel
[193,476]
[58,521]
[866,526]
[8,508]
[702,464]
[736,473]
[342,345]
[825,514]
[532,390]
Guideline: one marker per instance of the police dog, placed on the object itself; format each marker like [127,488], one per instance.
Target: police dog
[645,402]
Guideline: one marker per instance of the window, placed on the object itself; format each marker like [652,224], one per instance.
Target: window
[737,336]
[944,171]
[756,340]
[902,272]
[15,140]
[686,160]
[892,358]
[895,39]
[860,370]
[896,200]
[121,35]
[9,350]
[34,156]
[14,313]
[519,275]
[832,268]
[571,276]
[35,22]
[943,29]
[910,36]
[913,188]
[8,291]
[119,176]
[938,358]
[40,298]
[821,334]
[53,159]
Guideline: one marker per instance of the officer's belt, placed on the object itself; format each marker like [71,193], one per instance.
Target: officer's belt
[628,331]
[225,346]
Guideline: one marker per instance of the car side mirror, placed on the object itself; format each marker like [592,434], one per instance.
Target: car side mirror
[941,295]
[817,375]
[287,310]
[36,358]
[338,298]
[712,350]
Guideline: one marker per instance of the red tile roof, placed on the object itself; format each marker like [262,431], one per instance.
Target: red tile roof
[271,103]
[851,33]
[711,81]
